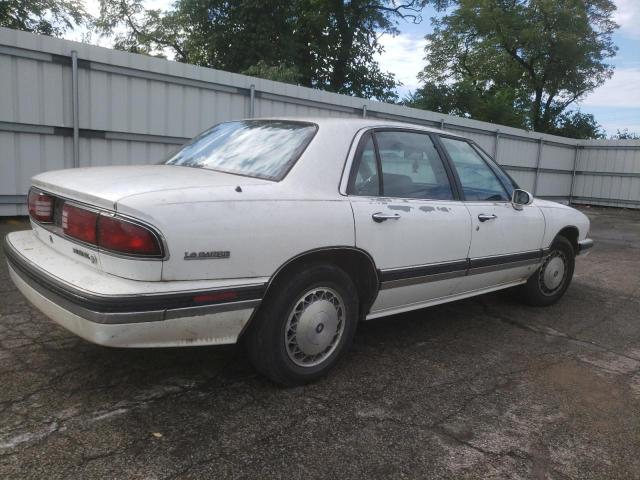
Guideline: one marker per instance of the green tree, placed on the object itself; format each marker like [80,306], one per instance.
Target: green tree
[47,17]
[519,62]
[575,124]
[279,73]
[464,100]
[326,44]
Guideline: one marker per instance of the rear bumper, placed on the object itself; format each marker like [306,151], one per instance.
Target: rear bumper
[139,318]
[584,246]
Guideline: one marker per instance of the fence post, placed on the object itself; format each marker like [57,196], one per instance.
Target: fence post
[442,124]
[76,108]
[364,111]
[495,146]
[573,174]
[252,101]
[535,180]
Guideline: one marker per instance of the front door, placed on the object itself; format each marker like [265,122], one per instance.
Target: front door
[407,219]
[505,241]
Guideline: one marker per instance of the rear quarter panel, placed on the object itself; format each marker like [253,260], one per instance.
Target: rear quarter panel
[260,234]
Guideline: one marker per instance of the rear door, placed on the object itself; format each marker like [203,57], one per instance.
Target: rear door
[407,218]
[505,240]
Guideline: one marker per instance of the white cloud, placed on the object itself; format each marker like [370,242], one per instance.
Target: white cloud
[92,7]
[403,56]
[627,16]
[621,91]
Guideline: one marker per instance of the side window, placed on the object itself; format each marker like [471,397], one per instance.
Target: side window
[411,167]
[479,182]
[366,182]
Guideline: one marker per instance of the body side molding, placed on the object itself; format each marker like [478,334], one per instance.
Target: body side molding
[394,278]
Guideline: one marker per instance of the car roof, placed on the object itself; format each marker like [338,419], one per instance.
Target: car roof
[355,124]
[320,168]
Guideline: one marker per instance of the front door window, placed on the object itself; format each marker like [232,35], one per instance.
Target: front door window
[478,180]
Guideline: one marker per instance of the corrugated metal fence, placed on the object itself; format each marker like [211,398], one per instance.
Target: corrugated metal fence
[66,104]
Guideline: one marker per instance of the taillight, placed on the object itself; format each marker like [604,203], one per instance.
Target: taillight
[125,237]
[79,223]
[40,206]
[104,231]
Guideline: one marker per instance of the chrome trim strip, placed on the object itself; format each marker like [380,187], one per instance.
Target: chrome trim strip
[90,315]
[401,273]
[502,266]
[405,282]
[72,299]
[401,277]
[114,318]
[505,259]
[207,309]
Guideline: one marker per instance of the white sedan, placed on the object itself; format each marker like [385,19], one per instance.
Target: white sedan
[284,234]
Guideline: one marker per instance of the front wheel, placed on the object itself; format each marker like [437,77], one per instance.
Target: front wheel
[548,284]
[304,326]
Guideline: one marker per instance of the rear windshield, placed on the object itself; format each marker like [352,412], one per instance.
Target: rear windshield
[255,148]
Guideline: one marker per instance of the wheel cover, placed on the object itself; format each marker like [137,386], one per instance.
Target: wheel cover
[553,272]
[314,327]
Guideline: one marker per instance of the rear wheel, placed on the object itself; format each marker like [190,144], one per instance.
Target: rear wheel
[304,326]
[549,283]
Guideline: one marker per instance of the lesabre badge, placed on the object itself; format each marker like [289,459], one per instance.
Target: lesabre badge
[212,255]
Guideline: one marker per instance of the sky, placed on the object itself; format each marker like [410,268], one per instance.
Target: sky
[615,104]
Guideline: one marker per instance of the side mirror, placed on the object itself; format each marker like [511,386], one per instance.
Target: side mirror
[521,198]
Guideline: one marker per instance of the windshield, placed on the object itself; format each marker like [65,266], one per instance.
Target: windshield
[255,148]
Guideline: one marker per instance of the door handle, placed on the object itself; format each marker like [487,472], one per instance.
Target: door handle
[483,217]
[381,217]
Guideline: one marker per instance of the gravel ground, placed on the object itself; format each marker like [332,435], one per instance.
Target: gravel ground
[482,388]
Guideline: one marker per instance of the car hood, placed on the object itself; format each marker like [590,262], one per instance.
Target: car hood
[106,186]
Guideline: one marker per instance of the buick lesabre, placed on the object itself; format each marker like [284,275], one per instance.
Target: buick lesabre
[283,235]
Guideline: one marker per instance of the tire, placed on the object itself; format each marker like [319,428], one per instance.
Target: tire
[544,287]
[320,300]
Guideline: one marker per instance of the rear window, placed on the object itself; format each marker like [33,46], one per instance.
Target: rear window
[254,148]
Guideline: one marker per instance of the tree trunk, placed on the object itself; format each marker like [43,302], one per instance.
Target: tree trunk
[536,114]
[339,74]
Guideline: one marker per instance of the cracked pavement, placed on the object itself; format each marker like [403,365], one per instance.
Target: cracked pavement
[481,388]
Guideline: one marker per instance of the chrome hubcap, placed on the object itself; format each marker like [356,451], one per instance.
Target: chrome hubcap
[552,272]
[314,327]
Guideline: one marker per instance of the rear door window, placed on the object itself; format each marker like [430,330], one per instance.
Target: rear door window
[411,167]
[367,182]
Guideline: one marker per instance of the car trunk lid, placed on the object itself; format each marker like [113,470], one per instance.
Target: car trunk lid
[105,186]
